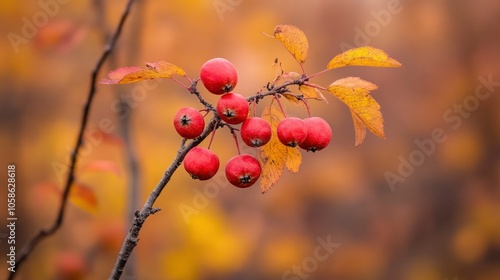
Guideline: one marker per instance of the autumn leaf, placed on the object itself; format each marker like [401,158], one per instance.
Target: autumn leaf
[363,56]
[359,130]
[355,93]
[294,40]
[102,166]
[275,156]
[310,92]
[294,99]
[61,35]
[153,70]
[80,195]
[83,197]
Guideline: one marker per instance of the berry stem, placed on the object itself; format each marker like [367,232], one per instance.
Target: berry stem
[236,141]
[206,112]
[212,137]
[307,106]
[276,97]
[315,86]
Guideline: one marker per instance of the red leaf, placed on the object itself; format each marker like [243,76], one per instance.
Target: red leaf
[83,197]
[102,166]
[116,75]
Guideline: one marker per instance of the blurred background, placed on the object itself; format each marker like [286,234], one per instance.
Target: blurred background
[440,220]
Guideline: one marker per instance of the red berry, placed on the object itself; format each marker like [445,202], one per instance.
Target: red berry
[256,132]
[232,108]
[189,123]
[292,131]
[201,163]
[243,171]
[319,134]
[218,75]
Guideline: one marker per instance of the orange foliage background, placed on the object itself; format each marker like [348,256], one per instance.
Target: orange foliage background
[442,222]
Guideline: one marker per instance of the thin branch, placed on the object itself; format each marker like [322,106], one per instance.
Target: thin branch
[283,88]
[194,90]
[45,233]
[147,210]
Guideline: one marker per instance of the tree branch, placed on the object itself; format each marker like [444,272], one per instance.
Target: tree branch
[147,210]
[45,233]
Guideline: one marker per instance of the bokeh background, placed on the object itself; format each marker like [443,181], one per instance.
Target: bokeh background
[442,221]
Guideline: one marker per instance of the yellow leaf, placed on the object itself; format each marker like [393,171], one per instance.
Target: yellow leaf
[83,197]
[355,93]
[308,92]
[359,130]
[165,69]
[311,92]
[294,99]
[293,160]
[294,40]
[364,56]
[275,156]
[154,70]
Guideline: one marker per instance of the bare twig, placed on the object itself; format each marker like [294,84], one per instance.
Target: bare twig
[45,233]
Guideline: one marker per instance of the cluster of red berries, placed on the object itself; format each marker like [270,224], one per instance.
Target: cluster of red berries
[219,77]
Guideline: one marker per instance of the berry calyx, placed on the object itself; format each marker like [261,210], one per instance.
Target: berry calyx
[218,75]
[233,108]
[201,163]
[319,134]
[189,123]
[256,132]
[243,171]
[292,131]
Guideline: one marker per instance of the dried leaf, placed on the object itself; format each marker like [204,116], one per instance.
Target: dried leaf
[294,40]
[355,93]
[154,70]
[364,56]
[83,197]
[275,156]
